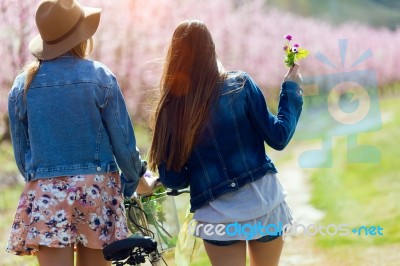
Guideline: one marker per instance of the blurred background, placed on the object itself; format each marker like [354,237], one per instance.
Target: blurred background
[342,166]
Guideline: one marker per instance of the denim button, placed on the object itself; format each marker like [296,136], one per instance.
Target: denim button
[98,168]
[233,184]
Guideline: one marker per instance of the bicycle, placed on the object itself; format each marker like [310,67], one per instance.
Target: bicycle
[150,239]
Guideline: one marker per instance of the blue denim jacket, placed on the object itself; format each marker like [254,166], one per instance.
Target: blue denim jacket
[72,121]
[230,151]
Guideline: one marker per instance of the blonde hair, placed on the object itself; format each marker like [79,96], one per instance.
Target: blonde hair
[189,87]
[80,51]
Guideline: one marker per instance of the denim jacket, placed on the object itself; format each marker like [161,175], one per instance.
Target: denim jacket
[230,151]
[73,121]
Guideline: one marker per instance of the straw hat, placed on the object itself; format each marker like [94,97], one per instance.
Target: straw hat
[62,25]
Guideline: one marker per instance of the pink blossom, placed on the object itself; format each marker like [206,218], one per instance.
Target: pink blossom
[296,45]
[288,37]
[285,48]
[134,57]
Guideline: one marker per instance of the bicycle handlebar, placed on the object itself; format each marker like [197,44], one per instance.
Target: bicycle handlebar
[176,192]
[173,192]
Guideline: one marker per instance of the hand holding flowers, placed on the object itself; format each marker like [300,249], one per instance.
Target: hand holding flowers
[147,184]
[293,54]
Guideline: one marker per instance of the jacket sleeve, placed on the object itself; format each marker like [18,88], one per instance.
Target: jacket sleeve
[172,179]
[19,131]
[275,130]
[122,137]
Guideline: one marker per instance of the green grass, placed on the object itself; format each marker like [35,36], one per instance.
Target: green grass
[363,194]
[7,163]
[143,138]
[385,12]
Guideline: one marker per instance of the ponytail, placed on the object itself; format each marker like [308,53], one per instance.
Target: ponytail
[31,69]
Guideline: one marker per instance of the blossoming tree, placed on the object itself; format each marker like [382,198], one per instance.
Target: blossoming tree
[134,33]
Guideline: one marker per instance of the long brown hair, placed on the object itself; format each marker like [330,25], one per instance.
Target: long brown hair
[189,87]
[81,51]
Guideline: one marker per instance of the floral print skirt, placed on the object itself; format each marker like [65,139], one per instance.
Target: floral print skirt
[69,210]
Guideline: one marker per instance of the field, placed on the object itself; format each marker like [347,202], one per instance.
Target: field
[341,11]
[347,193]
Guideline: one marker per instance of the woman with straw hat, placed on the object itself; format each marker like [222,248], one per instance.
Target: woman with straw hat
[71,135]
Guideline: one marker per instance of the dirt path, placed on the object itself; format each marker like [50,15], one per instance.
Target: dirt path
[299,249]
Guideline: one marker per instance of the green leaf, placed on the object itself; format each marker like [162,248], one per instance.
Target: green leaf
[290,59]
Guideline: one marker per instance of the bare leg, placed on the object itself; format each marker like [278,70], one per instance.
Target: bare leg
[90,257]
[265,254]
[232,255]
[55,256]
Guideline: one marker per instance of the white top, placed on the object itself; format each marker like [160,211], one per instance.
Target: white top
[251,201]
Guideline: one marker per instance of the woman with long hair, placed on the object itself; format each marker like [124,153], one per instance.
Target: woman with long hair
[71,134]
[210,126]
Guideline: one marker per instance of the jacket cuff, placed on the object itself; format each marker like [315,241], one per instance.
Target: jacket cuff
[290,86]
[128,188]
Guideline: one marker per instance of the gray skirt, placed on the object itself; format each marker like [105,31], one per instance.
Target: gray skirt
[268,224]
[255,210]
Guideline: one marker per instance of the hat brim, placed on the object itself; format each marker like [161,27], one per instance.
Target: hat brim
[85,30]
